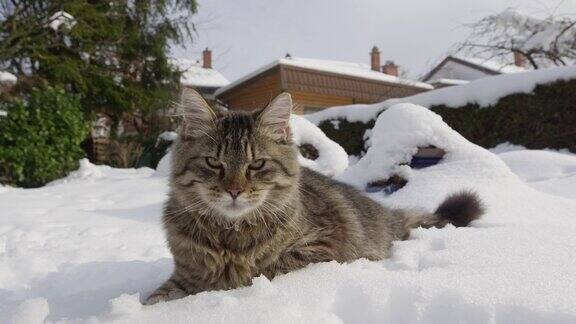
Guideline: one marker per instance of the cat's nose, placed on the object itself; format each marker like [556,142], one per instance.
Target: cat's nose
[234,193]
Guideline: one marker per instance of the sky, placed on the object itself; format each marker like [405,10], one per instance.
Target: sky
[247,34]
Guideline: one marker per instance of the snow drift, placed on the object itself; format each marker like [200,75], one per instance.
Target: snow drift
[332,159]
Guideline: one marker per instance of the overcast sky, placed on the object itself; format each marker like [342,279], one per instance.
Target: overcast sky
[247,34]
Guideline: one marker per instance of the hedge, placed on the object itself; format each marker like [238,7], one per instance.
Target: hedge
[40,137]
[545,118]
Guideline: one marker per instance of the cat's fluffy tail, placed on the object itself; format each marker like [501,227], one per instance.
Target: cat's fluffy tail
[458,209]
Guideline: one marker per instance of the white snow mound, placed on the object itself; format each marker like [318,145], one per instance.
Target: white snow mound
[332,158]
[399,132]
[547,171]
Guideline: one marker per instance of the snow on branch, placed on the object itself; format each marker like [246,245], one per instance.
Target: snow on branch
[61,18]
[542,42]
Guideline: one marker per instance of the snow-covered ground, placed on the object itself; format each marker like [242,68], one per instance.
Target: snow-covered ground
[87,248]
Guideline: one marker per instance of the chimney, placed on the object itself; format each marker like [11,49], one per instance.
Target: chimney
[375,59]
[207,58]
[519,59]
[390,68]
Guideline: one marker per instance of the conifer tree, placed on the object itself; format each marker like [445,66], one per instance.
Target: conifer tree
[112,53]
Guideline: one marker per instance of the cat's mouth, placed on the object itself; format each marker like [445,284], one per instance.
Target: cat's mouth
[235,208]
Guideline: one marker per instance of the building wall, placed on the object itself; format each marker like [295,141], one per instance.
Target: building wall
[312,90]
[255,93]
[306,102]
[455,70]
[323,89]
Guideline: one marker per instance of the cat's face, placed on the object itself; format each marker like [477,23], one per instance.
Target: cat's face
[234,164]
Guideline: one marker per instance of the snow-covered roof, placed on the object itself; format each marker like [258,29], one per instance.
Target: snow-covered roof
[461,67]
[451,81]
[7,77]
[61,18]
[195,75]
[491,64]
[358,70]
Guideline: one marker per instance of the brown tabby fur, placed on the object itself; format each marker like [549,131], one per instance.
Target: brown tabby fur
[292,216]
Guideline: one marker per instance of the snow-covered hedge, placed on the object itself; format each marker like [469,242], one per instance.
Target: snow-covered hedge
[535,109]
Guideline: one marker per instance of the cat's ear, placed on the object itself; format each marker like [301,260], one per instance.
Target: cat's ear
[197,116]
[275,118]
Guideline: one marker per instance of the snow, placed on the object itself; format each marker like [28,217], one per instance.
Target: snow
[487,91]
[451,81]
[347,68]
[195,75]
[484,92]
[506,147]
[492,64]
[531,33]
[332,159]
[358,70]
[87,248]
[31,311]
[546,171]
[398,133]
[61,18]
[350,113]
[509,147]
[7,77]
[458,69]
[101,127]
[168,136]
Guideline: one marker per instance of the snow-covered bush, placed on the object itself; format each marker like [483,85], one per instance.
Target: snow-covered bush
[40,137]
[534,109]
[332,158]
[543,119]
[398,133]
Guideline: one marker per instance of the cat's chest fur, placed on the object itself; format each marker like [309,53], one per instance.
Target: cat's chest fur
[225,259]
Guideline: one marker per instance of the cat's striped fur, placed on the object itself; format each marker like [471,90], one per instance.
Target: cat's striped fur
[241,206]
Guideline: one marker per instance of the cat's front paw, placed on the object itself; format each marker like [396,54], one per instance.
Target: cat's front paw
[165,296]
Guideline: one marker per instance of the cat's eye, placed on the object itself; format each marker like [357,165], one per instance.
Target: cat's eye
[257,164]
[213,162]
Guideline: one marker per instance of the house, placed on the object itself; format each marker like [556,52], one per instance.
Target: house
[201,77]
[316,84]
[455,70]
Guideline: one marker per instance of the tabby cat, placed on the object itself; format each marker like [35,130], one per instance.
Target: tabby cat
[240,205]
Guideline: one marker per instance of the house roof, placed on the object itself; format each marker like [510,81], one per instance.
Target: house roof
[357,70]
[492,64]
[451,81]
[489,66]
[195,75]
